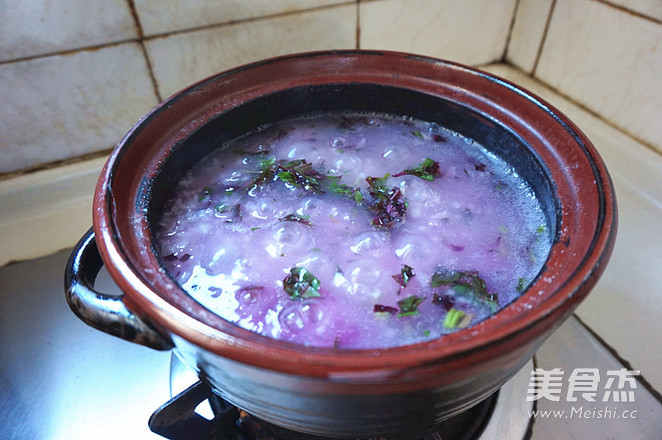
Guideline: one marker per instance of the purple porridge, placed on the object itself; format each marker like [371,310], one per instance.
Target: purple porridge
[353,231]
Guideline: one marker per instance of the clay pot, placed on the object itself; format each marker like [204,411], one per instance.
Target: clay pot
[329,391]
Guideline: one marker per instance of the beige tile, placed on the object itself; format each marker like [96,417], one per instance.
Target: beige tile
[471,32]
[649,8]
[46,211]
[172,15]
[181,59]
[37,27]
[573,347]
[58,107]
[625,306]
[527,33]
[609,61]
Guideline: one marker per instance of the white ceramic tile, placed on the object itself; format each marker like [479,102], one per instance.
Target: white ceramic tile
[181,59]
[527,32]
[36,27]
[172,15]
[573,347]
[58,107]
[609,61]
[470,32]
[46,211]
[649,8]
[625,306]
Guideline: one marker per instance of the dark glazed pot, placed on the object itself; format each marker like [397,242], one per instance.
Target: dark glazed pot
[327,391]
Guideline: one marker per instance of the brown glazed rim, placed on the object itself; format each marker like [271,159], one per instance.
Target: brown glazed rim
[582,246]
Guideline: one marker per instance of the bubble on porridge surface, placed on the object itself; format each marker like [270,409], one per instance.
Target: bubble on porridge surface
[348,165]
[302,316]
[370,242]
[311,206]
[338,142]
[286,238]
[365,277]
[261,208]
[319,264]
[397,153]
[413,247]
[354,261]
[250,295]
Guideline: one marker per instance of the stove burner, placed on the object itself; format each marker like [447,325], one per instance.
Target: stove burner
[177,420]
[503,415]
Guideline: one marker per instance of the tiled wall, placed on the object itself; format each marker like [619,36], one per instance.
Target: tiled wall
[604,55]
[76,74]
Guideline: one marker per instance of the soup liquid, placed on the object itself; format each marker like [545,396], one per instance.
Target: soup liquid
[353,231]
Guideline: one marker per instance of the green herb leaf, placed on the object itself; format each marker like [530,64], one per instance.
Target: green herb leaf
[378,186]
[267,163]
[406,273]
[341,188]
[389,206]
[521,284]
[541,229]
[465,283]
[444,277]
[426,170]
[297,173]
[301,284]
[287,177]
[409,305]
[417,133]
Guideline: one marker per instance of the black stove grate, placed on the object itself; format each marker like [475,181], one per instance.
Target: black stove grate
[177,420]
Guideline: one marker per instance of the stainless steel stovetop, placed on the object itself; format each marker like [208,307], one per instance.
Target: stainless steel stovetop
[60,379]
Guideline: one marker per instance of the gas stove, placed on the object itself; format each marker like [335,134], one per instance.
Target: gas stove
[63,380]
[194,411]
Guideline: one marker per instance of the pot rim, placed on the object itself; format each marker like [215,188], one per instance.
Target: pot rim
[547,301]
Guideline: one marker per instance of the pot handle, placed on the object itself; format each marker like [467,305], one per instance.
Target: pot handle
[103,312]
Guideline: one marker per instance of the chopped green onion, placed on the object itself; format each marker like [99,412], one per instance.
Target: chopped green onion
[456,319]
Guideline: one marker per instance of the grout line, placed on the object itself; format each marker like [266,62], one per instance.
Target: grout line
[148,61]
[57,164]
[588,110]
[358,24]
[629,11]
[247,20]
[510,32]
[71,51]
[136,20]
[656,394]
[141,38]
[532,420]
[544,38]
